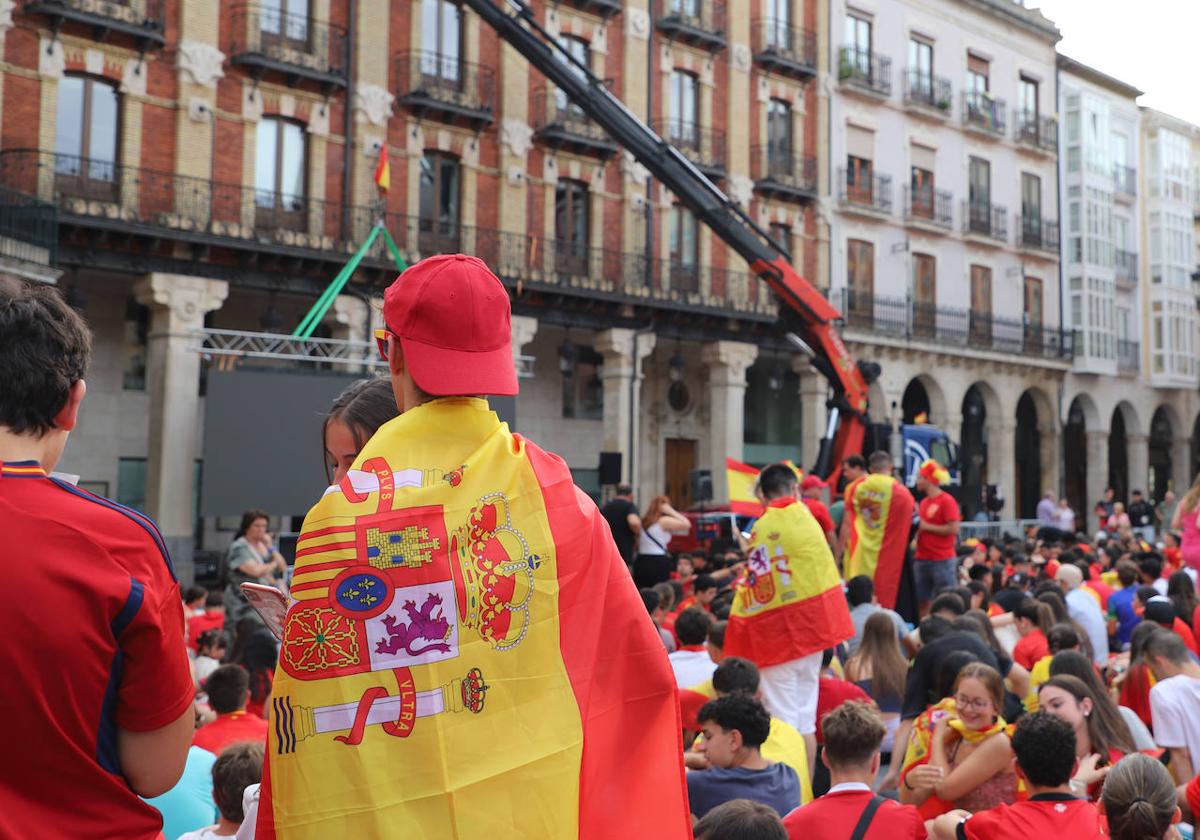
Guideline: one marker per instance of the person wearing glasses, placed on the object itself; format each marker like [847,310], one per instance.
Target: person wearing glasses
[970,756]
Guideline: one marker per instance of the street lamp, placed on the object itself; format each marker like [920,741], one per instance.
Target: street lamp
[677,364]
[567,354]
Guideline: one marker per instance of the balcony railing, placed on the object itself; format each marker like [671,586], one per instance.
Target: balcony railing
[1124,181]
[141,19]
[1038,234]
[560,123]
[1127,265]
[931,207]
[784,48]
[865,70]
[1129,356]
[295,46]
[697,22]
[28,227]
[983,112]
[446,87]
[1038,131]
[982,219]
[910,320]
[927,91]
[779,173]
[603,8]
[868,192]
[704,147]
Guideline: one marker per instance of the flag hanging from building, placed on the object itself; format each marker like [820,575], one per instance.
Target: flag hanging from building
[880,510]
[448,664]
[741,479]
[383,170]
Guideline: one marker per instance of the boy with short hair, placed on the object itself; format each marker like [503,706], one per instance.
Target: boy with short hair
[237,767]
[228,690]
[691,662]
[740,819]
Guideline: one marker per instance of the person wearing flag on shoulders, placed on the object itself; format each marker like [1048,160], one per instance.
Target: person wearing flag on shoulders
[789,605]
[879,509]
[936,566]
[449,665]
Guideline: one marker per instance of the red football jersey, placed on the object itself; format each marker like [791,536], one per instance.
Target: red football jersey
[1044,815]
[95,642]
[939,510]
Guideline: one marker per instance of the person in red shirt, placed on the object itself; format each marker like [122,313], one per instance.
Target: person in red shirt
[228,692]
[852,734]
[98,699]
[810,493]
[1044,747]
[1033,620]
[936,564]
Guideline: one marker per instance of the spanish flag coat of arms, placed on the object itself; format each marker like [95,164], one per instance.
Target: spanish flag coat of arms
[465,655]
[790,603]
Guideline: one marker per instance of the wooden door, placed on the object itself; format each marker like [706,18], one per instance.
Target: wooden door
[680,461]
[1033,313]
[924,295]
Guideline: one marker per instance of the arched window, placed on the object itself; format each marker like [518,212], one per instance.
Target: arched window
[281,167]
[85,137]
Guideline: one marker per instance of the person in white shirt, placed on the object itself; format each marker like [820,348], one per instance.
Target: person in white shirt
[1175,701]
[692,663]
[237,767]
[1086,611]
[653,562]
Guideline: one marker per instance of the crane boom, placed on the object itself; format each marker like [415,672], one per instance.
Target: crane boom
[805,313]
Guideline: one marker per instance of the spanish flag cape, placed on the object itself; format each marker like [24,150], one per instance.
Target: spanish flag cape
[880,510]
[465,655]
[789,603]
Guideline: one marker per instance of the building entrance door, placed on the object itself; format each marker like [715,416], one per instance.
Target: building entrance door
[680,461]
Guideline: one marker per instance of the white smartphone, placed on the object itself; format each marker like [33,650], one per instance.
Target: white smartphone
[268,602]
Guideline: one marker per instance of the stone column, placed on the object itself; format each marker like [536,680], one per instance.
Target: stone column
[1097,477]
[814,391]
[178,304]
[1051,457]
[1181,467]
[1001,463]
[727,363]
[1137,458]
[622,377]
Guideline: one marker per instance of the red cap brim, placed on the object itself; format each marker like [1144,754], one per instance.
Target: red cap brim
[444,372]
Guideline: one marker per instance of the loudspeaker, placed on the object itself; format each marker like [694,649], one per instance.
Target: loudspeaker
[701,481]
[610,468]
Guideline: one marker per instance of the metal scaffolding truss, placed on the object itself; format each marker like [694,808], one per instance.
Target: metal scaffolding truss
[227,347]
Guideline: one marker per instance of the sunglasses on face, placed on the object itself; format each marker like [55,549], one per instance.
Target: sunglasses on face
[381,341]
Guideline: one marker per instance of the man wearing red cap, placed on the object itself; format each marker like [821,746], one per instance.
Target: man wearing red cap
[937,533]
[448,666]
[811,488]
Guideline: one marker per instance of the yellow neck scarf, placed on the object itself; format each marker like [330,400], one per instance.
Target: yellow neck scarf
[975,736]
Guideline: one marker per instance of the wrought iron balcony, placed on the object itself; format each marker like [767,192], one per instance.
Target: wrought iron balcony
[872,193]
[1127,265]
[984,113]
[141,19]
[910,320]
[697,22]
[986,220]
[559,123]
[704,147]
[783,48]
[780,174]
[603,8]
[1037,131]
[28,227]
[1129,356]
[295,46]
[1124,182]
[929,208]
[445,87]
[1037,234]
[866,71]
[927,93]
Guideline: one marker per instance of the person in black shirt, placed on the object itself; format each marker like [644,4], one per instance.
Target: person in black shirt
[1141,516]
[624,522]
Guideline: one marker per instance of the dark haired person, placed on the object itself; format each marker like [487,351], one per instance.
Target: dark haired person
[354,417]
[691,662]
[252,557]
[1122,613]
[238,767]
[228,690]
[1175,701]
[98,693]
[740,819]
[623,520]
[860,594]
[1044,757]
[936,565]
[735,727]
[876,530]
[853,734]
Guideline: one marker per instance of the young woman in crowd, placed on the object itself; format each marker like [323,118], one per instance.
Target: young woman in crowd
[1186,521]
[251,558]
[1101,736]
[659,523]
[1062,637]
[878,669]
[1136,681]
[970,757]
[1033,621]
[212,644]
[1016,678]
[352,420]
[1182,593]
[1139,800]
[1072,663]
[1052,595]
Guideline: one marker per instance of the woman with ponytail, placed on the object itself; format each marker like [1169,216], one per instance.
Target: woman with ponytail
[1139,800]
[1033,621]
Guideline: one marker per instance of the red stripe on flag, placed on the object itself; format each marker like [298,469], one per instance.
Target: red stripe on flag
[336,529]
[738,466]
[324,567]
[320,549]
[619,673]
[790,632]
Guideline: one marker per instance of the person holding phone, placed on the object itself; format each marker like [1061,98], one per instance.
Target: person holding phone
[252,558]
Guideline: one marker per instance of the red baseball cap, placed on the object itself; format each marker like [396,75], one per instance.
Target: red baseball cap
[452,317]
[810,481]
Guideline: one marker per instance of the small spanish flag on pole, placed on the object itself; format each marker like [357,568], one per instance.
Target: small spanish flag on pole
[741,479]
[383,171]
